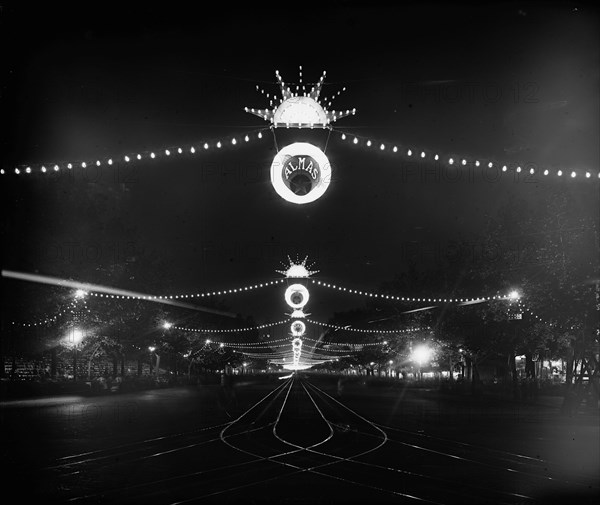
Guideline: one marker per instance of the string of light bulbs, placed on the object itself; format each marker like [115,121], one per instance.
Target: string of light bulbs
[510,296]
[230,330]
[127,158]
[362,330]
[460,161]
[220,292]
[46,319]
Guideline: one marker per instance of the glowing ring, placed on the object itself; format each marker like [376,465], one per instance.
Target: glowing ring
[296,344]
[319,172]
[296,296]
[298,328]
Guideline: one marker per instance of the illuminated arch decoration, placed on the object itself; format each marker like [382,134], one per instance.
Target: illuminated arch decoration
[300,173]
[300,108]
[296,296]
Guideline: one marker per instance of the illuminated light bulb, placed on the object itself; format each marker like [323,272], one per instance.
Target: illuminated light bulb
[234,142]
[343,136]
[559,173]
[205,146]
[192,150]
[490,164]
[219,144]
[167,152]
[179,150]
[369,143]
[382,147]
[476,163]
[395,149]
[110,161]
[422,154]
[127,159]
[451,161]
[545,172]
[28,170]
[504,168]
[409,152]
[355,140]
[464,162]
[2,171]
[519,169]
[573,174]
[436,157]
[97,163]
[588,175]
[83,164]
[259,135]
[139,156]
[17,171]
[43,169]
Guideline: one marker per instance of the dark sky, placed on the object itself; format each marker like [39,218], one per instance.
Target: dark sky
[513,82]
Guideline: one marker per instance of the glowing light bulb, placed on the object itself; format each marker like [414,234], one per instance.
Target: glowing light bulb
[28,170]
[422,154]
[504,168]
[369,143]
[192,150]
[83,164]
[343,136]
[545,172]
[531,171]
[382,147]
[234,142]
[451,161]
[98,163]
[110,162]
[464,162]
[127,159]
[179,150]
[588,175]
[573,174]
[139,156]
[519,169]
[17,171]
[219,144]
[559,173]
[355,140]
[69,166]
[246,138]
[436,157]
[167,152]
[490,164]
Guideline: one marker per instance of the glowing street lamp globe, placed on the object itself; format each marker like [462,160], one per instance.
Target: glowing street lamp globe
[422,354]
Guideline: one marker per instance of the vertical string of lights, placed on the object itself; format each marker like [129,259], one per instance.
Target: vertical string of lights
[297,296]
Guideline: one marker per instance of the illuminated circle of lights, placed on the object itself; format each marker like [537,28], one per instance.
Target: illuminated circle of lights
[300,173]
[298,328]
[296,296]
[297,343]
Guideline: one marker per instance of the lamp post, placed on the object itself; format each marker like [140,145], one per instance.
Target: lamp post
[421,354]
[74,337]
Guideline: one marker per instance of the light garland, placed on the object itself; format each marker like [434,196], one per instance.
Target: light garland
[205,294]
[460,161]
[231,330]
[159,153]
[70,309]
[362,330]
[409,298]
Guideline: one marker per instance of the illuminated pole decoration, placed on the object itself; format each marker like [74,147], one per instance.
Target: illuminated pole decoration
[300,172]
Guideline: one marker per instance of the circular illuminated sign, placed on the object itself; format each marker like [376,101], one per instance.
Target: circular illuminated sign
[296,296]
[300,173]
[298,328]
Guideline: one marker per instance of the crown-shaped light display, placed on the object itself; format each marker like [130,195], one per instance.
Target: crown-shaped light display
[297,270]
[301,107]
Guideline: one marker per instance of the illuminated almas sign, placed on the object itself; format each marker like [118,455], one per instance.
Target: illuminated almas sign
[300,173]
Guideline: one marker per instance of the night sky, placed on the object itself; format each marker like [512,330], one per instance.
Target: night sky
[512,82]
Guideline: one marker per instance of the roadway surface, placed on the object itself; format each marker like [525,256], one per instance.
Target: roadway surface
[305,439]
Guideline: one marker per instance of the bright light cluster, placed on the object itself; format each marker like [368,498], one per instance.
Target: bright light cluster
[297,270]
[299,108]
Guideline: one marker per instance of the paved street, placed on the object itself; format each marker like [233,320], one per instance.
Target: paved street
[307,439]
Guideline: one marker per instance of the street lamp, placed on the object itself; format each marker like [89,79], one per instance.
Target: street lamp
[514,295]
[80,293]
[421,354]
[167,325]
[74,338]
